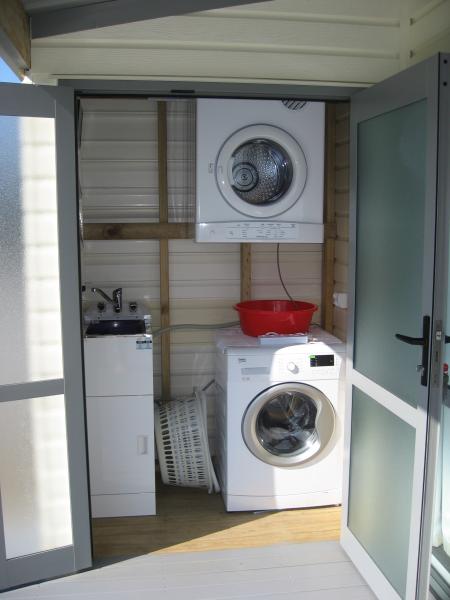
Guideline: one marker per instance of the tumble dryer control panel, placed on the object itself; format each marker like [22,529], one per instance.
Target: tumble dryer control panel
[257,231]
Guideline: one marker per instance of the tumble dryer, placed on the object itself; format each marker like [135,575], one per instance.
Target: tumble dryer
[260,171]
[279,415]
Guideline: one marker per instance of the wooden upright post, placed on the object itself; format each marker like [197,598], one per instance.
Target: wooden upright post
[164,252]
[329,219]
[246,272]
[15,35]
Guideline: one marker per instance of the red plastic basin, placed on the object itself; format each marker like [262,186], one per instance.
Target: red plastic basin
[275,316]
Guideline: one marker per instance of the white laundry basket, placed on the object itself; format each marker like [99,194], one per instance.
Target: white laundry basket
[182,443]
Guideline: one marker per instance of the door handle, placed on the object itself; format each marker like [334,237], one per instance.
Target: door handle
[447,339]
[423,341]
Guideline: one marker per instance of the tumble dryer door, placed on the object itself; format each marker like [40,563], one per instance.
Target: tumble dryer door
[261,171]
[289,424]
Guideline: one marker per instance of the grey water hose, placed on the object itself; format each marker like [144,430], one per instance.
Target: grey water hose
[193,326]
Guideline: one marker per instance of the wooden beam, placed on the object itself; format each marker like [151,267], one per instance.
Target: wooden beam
[246,272]
[54,21]
[164,277]
[138,231]
[15,45]
[329,219]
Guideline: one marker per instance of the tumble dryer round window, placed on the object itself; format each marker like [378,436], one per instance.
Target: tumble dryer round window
[261,171]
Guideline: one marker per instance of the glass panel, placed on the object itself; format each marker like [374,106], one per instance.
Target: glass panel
[390,239]
[381,478]
[34,475]
[29,270]
[260,171]
[286,425]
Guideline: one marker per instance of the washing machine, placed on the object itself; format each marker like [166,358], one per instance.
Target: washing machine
[260,171]
[279,414]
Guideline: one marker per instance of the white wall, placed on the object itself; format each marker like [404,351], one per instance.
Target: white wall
[427,29]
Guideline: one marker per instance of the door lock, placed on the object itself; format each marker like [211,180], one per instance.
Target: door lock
[423,341]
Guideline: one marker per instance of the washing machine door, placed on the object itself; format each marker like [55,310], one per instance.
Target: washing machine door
[289,424]
[261,171]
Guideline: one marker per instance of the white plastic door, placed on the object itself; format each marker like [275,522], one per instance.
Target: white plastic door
[44,504]
[394,128]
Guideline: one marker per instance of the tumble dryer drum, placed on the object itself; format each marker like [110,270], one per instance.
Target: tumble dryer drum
[261,171]
[289,424]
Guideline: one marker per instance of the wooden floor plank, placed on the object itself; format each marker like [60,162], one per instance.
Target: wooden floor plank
[190,520]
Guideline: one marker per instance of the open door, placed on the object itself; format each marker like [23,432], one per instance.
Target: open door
[394,135]
[44,502]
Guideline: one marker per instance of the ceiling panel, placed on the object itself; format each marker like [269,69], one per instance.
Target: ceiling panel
[35,6]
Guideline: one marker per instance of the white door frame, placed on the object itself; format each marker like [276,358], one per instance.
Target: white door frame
[406,87]
[442,267]
[58,104]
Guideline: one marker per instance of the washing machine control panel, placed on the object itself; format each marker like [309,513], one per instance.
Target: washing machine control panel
[307,367]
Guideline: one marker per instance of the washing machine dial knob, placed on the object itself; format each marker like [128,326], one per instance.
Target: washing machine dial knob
[292,367]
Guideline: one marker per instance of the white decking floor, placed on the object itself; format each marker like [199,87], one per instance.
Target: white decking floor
[310,571]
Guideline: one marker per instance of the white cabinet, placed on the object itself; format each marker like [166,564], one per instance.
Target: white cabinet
[121,455]
[119,390]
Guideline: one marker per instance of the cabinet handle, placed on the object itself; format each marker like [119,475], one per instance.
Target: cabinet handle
[142,444]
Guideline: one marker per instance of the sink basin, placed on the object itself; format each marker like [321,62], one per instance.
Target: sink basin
[116,327]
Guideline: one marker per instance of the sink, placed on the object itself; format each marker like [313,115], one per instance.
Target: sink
[116,327]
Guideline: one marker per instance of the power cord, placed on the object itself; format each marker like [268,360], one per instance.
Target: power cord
[281,276]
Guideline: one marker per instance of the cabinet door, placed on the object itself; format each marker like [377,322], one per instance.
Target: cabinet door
[126,360]
[121,448]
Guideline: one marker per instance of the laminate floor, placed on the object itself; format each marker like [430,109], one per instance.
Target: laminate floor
[192,520]
[310,571]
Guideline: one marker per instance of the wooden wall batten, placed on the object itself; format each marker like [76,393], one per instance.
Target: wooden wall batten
[246,272]
[164,251]
[341,209]
[329,219]
[138,231]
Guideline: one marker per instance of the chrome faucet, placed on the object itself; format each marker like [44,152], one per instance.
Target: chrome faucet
[116,299]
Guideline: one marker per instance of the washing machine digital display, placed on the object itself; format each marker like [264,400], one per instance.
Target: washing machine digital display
[322,360]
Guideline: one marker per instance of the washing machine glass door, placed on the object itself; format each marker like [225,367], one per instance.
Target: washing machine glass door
[289,424]
[261,171]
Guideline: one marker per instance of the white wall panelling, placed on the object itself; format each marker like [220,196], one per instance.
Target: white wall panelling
[119,182]
[427,29]
[119,160]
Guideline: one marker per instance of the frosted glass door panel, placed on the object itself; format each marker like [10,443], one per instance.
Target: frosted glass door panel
[390,245]
[381,479]
[30,318]
[34,475]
